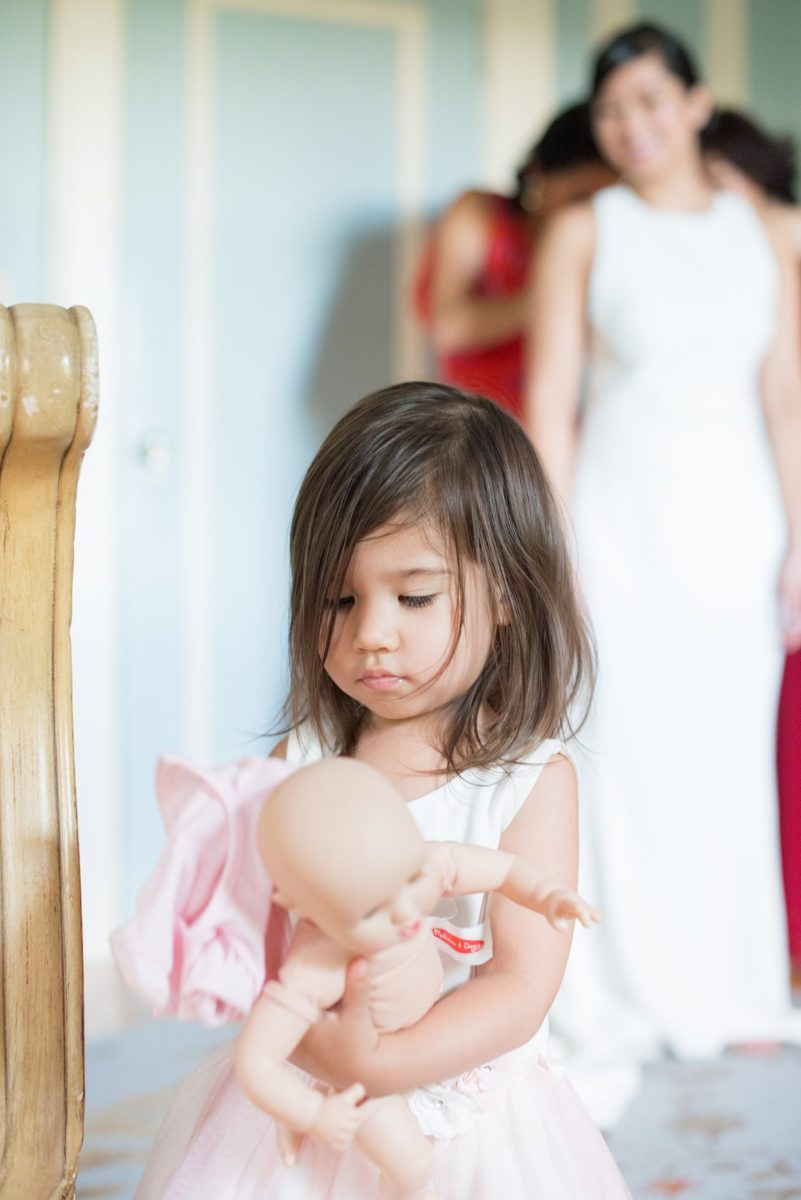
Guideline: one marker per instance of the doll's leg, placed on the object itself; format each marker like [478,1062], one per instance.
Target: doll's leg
[391,1138]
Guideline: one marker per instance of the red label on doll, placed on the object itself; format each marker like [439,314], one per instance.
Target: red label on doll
[461,942]
[460,945]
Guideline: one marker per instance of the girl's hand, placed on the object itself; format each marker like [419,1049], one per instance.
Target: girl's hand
[790,599]
[343,1044]
[563,906]
[339,1117]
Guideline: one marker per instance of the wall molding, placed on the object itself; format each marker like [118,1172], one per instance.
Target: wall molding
[608,16]
[520,84]
[726,44]
[409,22]
[86,70]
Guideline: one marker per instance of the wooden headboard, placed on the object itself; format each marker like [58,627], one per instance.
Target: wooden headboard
[48,406]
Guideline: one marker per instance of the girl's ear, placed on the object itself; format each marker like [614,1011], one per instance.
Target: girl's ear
[503,611]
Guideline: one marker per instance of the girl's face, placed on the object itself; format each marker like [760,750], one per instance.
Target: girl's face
[570,185]
[396,622]
[646,120]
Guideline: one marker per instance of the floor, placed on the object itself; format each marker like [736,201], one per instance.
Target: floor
[729,1129]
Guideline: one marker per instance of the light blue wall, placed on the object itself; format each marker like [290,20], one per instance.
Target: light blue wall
[775,64]
[573,49]
[152,299]
[23,66]
[304,137]
[682,17]
[306,208]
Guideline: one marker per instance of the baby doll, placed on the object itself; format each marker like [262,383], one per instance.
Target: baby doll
[346,858]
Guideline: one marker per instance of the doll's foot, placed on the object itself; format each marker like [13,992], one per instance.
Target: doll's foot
[289,1142]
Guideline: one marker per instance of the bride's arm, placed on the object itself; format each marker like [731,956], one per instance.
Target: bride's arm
[557,339]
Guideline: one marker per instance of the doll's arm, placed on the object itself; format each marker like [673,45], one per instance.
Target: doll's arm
[270,1035]
[480,869]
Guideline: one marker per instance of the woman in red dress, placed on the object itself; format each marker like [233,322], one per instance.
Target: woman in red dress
[744,158]
[471,286]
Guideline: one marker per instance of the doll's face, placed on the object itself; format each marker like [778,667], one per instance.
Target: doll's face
[396,626]
[393,918]
[342,850]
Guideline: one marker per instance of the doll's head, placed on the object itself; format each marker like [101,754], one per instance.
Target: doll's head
[425,505]
[343,851]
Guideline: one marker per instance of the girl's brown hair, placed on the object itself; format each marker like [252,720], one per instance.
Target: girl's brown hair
[428,454]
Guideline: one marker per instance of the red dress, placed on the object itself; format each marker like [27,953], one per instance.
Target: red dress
[493,371]
[789,763]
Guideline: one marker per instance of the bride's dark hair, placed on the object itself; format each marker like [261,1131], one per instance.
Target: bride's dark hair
[637,41]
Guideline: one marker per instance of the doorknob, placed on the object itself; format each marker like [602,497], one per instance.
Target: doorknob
[155,452]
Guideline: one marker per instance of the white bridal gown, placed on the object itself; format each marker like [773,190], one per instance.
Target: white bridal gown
[680,533]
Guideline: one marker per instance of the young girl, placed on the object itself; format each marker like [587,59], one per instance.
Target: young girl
[435,635]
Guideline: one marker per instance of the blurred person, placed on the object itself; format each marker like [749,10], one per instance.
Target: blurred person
[471,288]
[682,480]
[761,167]
[747,160]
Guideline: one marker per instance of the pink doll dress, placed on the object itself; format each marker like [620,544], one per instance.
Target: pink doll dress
[513,1127]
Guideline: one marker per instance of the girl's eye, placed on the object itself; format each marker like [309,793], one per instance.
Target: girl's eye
[417,601]
[340,602]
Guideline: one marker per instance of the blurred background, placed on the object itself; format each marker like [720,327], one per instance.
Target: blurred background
[238,190]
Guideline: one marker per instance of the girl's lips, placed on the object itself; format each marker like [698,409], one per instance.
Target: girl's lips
[380,683]
[411,930]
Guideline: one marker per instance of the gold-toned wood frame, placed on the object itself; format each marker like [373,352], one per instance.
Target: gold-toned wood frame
[48,406]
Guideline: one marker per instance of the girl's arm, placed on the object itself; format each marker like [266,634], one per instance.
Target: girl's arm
[461,319]
[557,338]
[507,1001]
[781,402]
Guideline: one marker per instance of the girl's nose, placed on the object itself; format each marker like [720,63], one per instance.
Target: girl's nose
[374,632]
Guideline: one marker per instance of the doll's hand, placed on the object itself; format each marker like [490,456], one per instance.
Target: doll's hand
[790,600]
[338,1117]
[563,906]
[343,1044]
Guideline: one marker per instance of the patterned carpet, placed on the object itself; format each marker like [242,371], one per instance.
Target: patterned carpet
[723,1130]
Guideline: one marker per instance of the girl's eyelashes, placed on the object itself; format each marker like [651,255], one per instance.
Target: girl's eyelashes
[417,601]
[339,602]
[343,602]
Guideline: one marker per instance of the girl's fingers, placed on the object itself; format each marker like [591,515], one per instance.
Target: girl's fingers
[357,986]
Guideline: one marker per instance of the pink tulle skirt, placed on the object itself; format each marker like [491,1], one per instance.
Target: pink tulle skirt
[513,1129]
